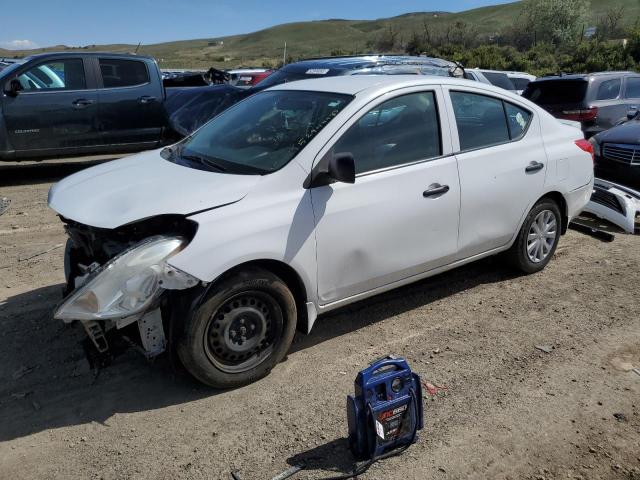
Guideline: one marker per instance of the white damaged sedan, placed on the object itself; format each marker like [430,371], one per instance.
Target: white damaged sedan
[306,197]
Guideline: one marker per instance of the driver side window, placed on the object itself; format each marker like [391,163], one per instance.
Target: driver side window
[66,74]
[402,130]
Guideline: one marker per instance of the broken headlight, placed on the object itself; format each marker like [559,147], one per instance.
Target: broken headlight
[129,283]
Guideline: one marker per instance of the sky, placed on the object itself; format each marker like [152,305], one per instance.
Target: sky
[87,22]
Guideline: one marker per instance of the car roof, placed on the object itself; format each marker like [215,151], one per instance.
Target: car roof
[356,62]
[483,70]
[354,84]
[85,54]
[584,76]
[519,74]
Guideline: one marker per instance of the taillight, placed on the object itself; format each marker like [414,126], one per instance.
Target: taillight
[587,147]
[580,115]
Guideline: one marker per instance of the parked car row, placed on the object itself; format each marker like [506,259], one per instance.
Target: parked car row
[82,103]
[248,77]
[76,103]
[606,106]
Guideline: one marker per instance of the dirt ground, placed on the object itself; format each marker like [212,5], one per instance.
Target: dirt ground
[510,411]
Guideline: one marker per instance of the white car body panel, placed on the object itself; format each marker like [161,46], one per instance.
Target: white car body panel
[346,242]
[496,191]
[410,235]
[142,186]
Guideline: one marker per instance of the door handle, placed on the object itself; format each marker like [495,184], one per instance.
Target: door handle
[534,167]
[435,189]
[146,99]
[81,103]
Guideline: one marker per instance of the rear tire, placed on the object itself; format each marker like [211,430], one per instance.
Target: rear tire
[241,330]
[538,238]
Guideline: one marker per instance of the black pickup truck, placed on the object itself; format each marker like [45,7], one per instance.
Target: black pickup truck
[80,103]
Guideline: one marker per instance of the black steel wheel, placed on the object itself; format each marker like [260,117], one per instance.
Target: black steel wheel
[241,331]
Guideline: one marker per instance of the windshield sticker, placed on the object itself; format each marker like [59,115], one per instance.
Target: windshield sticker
[521,121]
[317,71]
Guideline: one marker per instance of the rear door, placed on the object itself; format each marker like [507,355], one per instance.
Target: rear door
[502,166]
[55,112]
[130,101]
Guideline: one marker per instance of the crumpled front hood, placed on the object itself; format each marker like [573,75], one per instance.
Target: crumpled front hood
[143,186]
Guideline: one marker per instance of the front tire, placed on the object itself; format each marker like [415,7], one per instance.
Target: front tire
[538,238]
[241,330]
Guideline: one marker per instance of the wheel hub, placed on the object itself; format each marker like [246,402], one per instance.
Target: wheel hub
[241,332]
[542,236]
[246,329]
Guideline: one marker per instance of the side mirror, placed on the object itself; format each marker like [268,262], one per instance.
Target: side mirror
[342,168]
[13,87]
[339,167]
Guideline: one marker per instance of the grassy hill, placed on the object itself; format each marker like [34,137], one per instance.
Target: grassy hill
[306,39]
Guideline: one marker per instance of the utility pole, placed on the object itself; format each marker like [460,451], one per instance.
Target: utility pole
[284,55]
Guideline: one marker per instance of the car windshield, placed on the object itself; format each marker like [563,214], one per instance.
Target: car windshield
[6,70]
[553,92]
[259,135]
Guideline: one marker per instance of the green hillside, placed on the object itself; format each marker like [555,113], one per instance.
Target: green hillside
[317,38]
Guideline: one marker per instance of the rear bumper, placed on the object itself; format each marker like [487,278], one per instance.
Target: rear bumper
[578,199]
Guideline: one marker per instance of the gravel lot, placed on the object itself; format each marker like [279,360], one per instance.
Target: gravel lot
[511,410]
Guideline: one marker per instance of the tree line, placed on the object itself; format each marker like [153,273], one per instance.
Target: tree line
[551,36]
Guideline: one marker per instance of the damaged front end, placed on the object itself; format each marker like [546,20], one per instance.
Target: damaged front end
[118,281]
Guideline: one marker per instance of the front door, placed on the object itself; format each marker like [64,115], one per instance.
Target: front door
[400,218]
[55,110]
[502,168]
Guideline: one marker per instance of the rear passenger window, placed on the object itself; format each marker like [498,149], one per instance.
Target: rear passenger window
[123,73]
[518,120]
[399,131]
[633,88]
[481,120]
[609,89]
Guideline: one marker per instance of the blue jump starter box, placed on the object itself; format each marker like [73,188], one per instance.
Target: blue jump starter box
[386,411]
